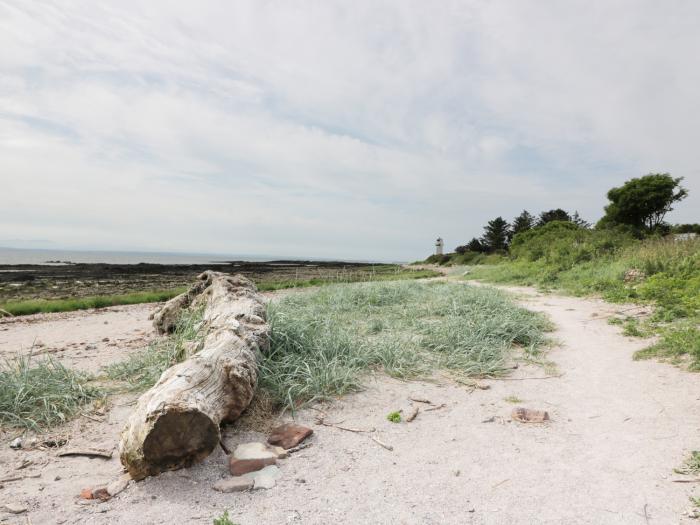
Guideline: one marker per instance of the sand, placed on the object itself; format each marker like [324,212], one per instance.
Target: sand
[618,428]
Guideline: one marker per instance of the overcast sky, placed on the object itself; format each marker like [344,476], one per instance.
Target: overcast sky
[340,129]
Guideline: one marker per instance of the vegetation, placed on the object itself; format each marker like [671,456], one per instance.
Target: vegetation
[643,202]
[42,393]
[692,464]
[33,306]
[394,417]
[381,272]
[224,519]
[323,342]
[496,234]
[141,370]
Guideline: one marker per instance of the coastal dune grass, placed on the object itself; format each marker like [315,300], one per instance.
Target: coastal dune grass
[40,393]
[324,342]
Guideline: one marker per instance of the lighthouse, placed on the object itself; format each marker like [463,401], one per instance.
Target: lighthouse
[438,246]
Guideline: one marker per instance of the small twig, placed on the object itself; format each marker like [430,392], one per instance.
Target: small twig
[421,400]
[689,480]
[94,418]
[500,483]
[381,443]
[320,421]
[438,407]
[524,378]
[412,415]
[298,448]
[646,516]
[5,312]
[18,478]
[226,450]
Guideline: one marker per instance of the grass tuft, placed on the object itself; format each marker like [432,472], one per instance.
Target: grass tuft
[43,393]
[143,369]
[323,342]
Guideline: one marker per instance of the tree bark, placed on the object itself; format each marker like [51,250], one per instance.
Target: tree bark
[176,423]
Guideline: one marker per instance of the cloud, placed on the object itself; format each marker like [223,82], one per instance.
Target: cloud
[330,129]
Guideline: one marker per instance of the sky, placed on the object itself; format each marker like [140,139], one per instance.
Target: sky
[335,129]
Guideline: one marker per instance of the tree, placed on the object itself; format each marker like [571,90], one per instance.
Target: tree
[496,234]
[462,249]
[523,222]
[643,202]
[475,246]
[579,221]
[553,215]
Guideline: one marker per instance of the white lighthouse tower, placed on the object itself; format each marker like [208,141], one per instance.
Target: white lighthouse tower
[439,244]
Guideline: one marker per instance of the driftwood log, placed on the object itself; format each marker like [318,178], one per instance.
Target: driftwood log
[176,422]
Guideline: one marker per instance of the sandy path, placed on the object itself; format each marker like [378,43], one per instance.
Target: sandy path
[84,339]
[618,429]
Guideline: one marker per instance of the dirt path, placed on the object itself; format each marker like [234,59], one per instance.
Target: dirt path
[618,429]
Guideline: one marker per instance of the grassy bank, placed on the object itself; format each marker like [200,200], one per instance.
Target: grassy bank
[34,306]
[660,271]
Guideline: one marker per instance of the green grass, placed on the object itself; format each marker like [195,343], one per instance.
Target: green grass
[691,465]
[143,369]
[224,519]
[384,274]
[323,342]
[660,272]
[513,399]
[679,343]
[394,417]
[41,393]
[34,306]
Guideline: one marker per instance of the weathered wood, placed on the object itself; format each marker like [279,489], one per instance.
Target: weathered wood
[176,423]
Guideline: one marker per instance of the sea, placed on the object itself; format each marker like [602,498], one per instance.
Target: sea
[42,256]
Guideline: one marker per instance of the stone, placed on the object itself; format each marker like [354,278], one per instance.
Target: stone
[289,435]
[527,415]
[86,493]
[119,484]
[16,443]
[254,451]
[15,508]
[234,484]
[266,478]
[238,467]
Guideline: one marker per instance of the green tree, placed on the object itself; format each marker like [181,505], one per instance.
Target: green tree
[579,221]
[553,215]
[496,234]
[643,202]
[522,223]
[475,246]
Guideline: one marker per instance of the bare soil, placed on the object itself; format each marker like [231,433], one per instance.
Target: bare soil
[618,428]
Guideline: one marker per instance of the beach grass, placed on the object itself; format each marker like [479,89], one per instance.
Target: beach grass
[40,393]
[34,306]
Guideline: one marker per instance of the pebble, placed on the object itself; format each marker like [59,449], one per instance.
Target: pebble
[15,508]
[16,443]
[234,484]
[289,435]
[266,478]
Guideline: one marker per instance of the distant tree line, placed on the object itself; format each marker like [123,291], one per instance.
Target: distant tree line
[639,206]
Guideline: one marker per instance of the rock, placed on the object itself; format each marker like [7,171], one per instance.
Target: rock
[16,443]
[234,484]
[105,339]
[289,435]
[119,484]
[90,347]
[238,467]
[266,478]
[15,508]
[527,415]
[281,453]
[254,451]
[95,493]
